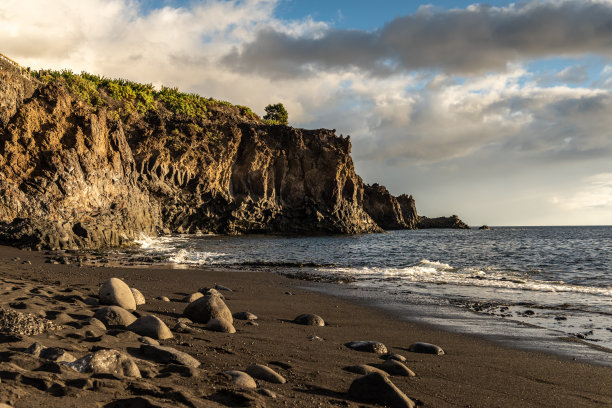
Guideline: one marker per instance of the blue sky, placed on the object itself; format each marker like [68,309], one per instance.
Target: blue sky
[500,115]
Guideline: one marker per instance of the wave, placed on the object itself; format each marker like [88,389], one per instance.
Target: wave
[432,272]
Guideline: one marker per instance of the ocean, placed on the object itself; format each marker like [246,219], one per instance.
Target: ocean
[542,288]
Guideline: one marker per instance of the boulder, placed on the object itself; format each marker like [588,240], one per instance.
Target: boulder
[35,349]
[397,357]
[220,325]
[56,354]
[379,389]
[168,355]
[193,297]
[92,321]
[395,367]
[107,362]
[208,307]
[261,372]
[241,379]
[244,316]
[426,348]
[115,317]
[367,346]
[115,292]
[148,340]
[364,369]
[151,326]
[138,297]
[309,320]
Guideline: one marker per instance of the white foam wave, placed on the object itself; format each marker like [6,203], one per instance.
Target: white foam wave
[429,272]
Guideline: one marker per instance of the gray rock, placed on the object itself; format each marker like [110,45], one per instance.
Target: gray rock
[56,354]
[367,346]
[107,362]
[220,325]
[148,340]
[261,372]
[397,357]
[395,367]
[151,326]
[115,292]
[426,348]
[364,369]
[138,297]
[208,307]
[115,317]
[244,316]
[224,288]
[193,297]
[35,349]
[241,379]
[168,355]
[309,320]
[379,389]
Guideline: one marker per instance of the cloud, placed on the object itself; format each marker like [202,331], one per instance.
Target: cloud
[465,41]
[594,193]
[575,74]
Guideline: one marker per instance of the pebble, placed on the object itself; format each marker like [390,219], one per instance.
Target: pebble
[309,319]
[241,379]
[224,288]
[163,298]
[367,346]
[425,348]
[244,316]
[262,372]
[267,393]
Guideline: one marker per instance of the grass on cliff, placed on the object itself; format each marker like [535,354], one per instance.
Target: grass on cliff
[135,97]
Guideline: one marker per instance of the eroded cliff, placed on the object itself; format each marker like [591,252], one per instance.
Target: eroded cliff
[80,167]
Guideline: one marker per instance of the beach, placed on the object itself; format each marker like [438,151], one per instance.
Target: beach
[473,372]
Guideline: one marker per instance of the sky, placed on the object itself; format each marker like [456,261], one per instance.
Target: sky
[499,112]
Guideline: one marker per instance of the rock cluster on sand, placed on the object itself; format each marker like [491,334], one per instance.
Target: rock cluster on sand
[17,323]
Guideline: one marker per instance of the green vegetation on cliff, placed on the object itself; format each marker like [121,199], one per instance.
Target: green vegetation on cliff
[128,97]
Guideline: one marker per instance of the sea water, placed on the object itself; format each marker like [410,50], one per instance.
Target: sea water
[547,288]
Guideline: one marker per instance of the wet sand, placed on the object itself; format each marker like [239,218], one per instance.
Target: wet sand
[473,373]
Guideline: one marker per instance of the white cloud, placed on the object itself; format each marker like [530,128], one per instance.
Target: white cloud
[595,192]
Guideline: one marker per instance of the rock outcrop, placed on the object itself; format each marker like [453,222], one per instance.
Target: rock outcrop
[76,173]
[442,222]
[383,207]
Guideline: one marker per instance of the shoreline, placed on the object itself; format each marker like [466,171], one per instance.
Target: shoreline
[474,371]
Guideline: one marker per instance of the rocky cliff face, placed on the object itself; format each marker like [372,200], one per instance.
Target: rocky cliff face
[78,174]
[391,213]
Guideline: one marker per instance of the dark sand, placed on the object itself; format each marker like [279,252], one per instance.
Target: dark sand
[473,373]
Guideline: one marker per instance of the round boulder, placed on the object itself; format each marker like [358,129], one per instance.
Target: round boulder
[244,316]
[107,362]
[426,348]
[220,325]
[395,367]
[367,346]
[138,297]
[309,319]
[241,379]
[115,317]
[261,372]
[115,292]
[379,389]
[193,297]
[151,326]
[207,308]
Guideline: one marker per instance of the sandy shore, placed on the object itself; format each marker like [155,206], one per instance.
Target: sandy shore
[472,373]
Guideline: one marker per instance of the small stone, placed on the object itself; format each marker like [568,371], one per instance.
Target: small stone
[397,357]
[168,355]
[107,362]
[115,317]
[56,354]
[193,297]
[309,320]
[35,349]
[241,379]
[148,340]
[261,372]
[151,326]
[364,369]
[425,348]
[267,393]
[208,307]
[244,316]
[115,292]
[395,367]
[315,338]
[163,298]
[379,389]
[138,297]
[252,323]
[224,288]
[529,312]
[367,346]
[220,325]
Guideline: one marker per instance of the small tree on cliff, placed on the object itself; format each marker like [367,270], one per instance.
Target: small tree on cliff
[277,114]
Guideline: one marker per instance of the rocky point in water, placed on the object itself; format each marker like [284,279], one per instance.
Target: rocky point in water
[87,162]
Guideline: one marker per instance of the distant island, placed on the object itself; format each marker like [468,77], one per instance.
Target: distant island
[92,162]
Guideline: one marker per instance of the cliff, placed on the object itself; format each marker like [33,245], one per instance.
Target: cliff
[388,211]
[442,222]
[88,162]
